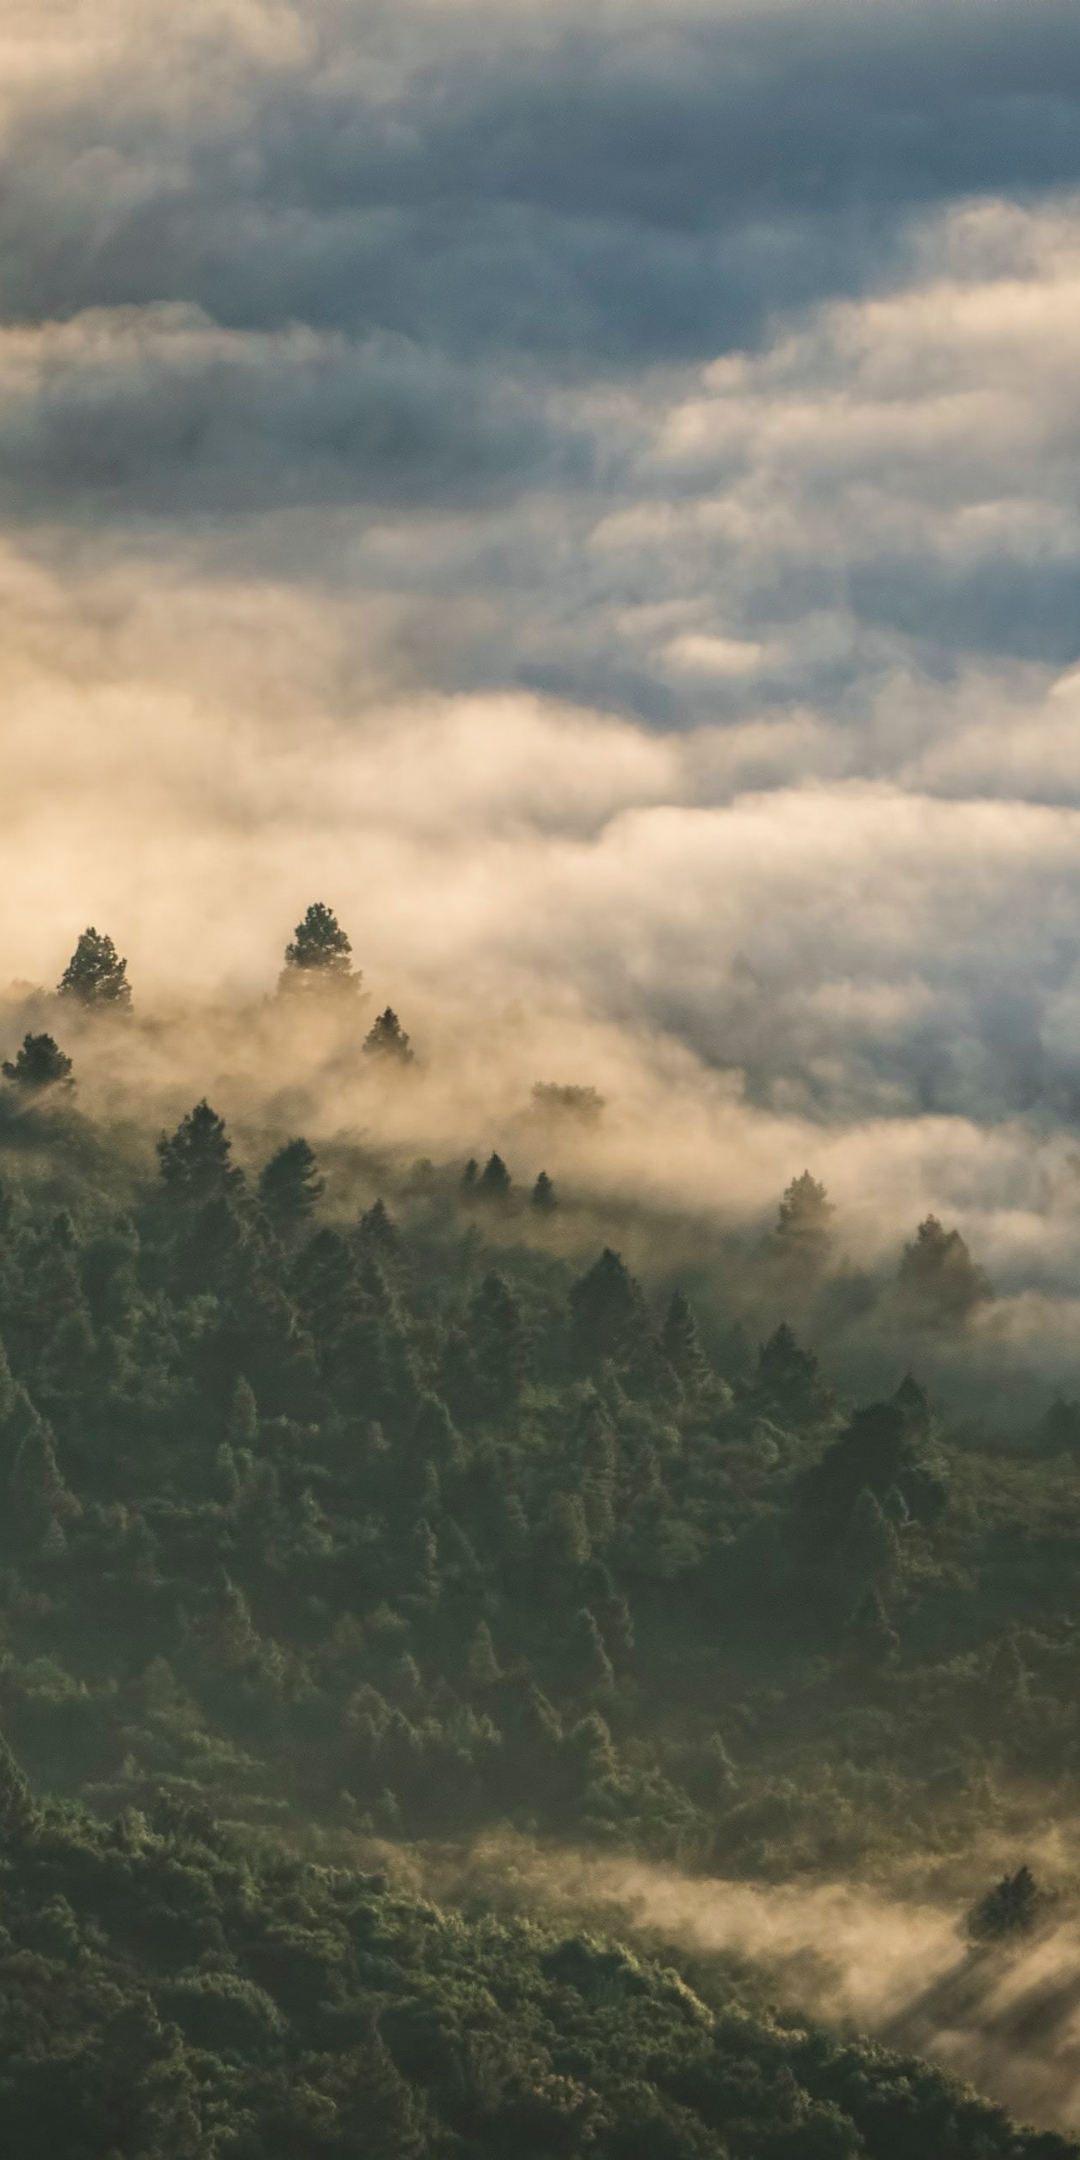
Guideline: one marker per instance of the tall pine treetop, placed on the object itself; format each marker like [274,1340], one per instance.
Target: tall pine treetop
[388,1039]
[95,975]
[194,1160]
[319,955]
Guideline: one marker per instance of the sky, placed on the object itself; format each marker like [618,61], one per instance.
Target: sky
[589,492]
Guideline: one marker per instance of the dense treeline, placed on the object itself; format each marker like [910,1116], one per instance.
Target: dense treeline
[402,1515]
[167,1994]
[394,1519]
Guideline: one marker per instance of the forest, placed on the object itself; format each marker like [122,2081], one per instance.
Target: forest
[367,1518]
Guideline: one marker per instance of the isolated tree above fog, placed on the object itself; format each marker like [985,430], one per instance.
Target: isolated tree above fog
[388,1040]
[95,975]
[802,1228]
[938,1276]
[320,954]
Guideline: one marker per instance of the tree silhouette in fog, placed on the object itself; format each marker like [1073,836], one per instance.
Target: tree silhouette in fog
[95,975]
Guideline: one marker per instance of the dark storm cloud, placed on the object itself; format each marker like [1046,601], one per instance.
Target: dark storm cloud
[650,186]
[160,410]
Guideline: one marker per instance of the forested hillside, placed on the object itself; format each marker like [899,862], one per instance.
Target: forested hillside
[392,1518]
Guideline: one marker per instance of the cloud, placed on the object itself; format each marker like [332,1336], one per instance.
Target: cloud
[593,497]
[159,410]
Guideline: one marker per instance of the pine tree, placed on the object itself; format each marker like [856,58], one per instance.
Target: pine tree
[606,1314]
[379,1236]
[39,1064]
[8,1390]
[484,1668]
[595,1448]
[470,1178]
[425,1561]
[566,1541]
[788,1384]
[376,2114]
[590,1667]
[227,1627]
[938,1280]
[497,1342]
[494,1183]
[39,1496]
[802,1230]
[871,1550]
[242,1430]
[914,1406]
[544,1197]
[19,1816]
[435,1437]
[870,1633]
[95,976]
[290,1186]
[194,1160]
[388,1040]
[1014,1906]
[320,955]
[680,1344]
[226,1477]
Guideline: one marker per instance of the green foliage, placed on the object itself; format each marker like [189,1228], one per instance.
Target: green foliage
[319,956]
[95,976]
[606,1314]
[1015,1906]
[493,1186]
[938,1279]
[286,1464]
[543,1197]
[38,1065]
[170,1990]
[387,1040]
[290,1187]
[802,1229]
[195,1160]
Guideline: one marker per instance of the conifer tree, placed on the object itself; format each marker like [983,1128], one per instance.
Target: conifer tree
[870,1634]
[195,1159]
[566,1540]
[494,1183]
[497,1342]
[680,1344]
[388,1040]
[937,1279]
[242,1430]
[39,1496]
[802,1230]
[227,1628]
[543,1197]
[589,1664]
[1014,1906]
[871,1551]
[95,976]
[320,955]
[39,1064]
[606,1314]
[290,1186]
[484,1668]
[379,1235]
[19,1816]
[788,1382]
